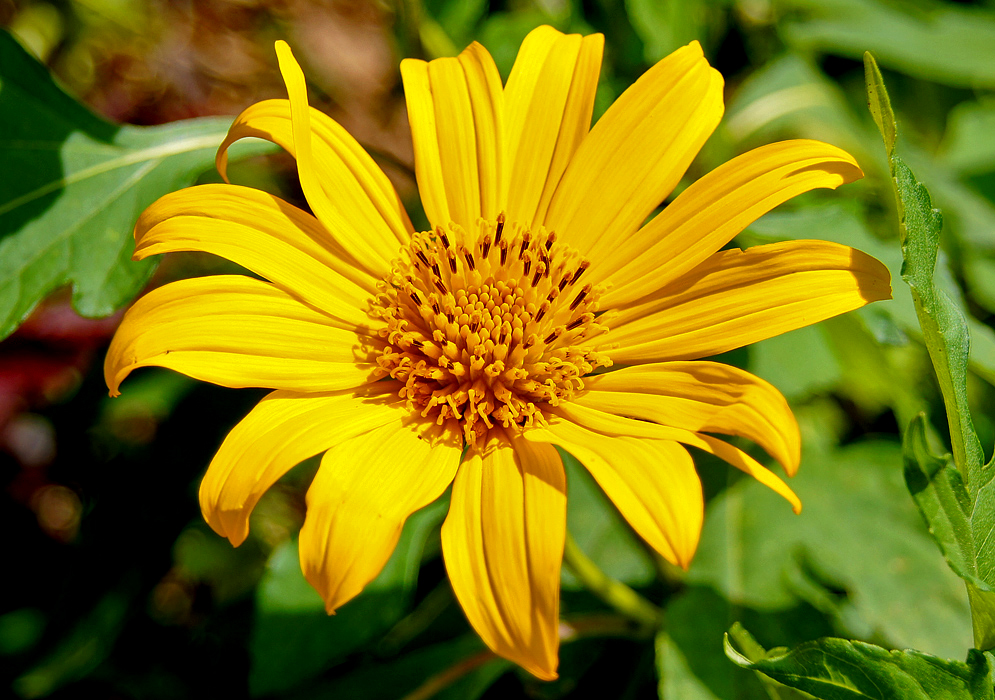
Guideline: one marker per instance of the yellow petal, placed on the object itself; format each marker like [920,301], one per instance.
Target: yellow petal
[620,426]
[372,246]
[284,429]
[710,212]
[346,171]
[363,493]
[264,234]
[652,483]
[237,331]
[638,151]
[701,397]
[548,101]
[455,110]
[503,543]
[738,297]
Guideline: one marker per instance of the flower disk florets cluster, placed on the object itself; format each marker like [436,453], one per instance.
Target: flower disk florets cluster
[482,329]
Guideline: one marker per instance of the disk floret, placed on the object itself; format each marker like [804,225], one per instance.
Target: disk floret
[483,329]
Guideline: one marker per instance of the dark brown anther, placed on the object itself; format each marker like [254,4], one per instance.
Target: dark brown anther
[417,344]
[421,256]
[435,270]
[553,294]
[576,322]
[540,273]
[526,240]
[440,286]
[442,236]
[414,297]
[470,262]
[485,246]
[526,266]
[474,325]
[504,252]
[580,271]
[553,336]
[542,311]
[550,239]
[529,342]
[436,308]
[452,262]
[563,283]
[580,297]
[500,228]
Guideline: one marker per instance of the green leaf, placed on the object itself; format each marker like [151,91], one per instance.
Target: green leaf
[938,490]
[982,617]
[859,551]
[879,103]
[293,639]
[664,27]
[840,669]
[72,187]
[944,326]
[943,42]
[969,140]
[689,658]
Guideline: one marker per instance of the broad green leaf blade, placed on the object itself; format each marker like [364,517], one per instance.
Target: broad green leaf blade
[293,639]
[72,187]
[860,539]
[938,490]
[982,617]
[879,103]
[840,669]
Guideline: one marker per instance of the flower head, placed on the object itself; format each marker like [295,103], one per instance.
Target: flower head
[391,350]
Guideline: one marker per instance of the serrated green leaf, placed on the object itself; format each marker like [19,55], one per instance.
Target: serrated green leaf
[944,325]
[938,490]
[72,187]
[878,102]
[840,669]
[293,639]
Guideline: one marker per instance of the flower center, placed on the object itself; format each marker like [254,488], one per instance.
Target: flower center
[483,329]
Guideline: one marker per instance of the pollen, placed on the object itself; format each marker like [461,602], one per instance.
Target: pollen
[483,329]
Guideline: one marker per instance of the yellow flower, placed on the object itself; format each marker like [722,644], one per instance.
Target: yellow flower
[390,350]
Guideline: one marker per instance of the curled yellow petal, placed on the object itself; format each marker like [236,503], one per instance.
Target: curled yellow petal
[621,426]
[701,397]
[374,252]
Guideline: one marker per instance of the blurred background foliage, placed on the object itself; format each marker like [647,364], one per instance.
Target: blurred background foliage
[112,584]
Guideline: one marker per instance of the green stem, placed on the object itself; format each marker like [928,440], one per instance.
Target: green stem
[614,593]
